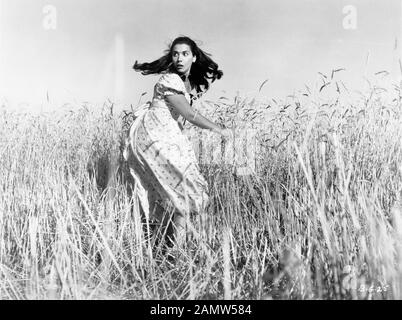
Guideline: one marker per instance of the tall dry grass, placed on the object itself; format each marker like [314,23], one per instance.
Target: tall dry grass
[320,218]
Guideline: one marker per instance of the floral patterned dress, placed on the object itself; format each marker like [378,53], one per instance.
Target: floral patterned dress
[160,157]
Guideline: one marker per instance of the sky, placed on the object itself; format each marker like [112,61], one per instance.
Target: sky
[60,51]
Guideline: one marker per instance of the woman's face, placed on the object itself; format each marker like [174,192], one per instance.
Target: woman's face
[182,58]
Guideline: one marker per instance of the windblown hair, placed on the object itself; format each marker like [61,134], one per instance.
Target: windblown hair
[202,70]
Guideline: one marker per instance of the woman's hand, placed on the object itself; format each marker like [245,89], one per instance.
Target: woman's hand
[227,133]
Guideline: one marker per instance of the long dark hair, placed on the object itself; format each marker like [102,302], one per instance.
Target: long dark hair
[202,70]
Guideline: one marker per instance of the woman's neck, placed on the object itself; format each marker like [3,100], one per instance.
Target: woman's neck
[184,77]
[186,82]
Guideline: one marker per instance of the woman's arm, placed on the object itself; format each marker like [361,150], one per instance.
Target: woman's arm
[181,105]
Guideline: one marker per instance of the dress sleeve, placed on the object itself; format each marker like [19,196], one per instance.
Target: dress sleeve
[170,84]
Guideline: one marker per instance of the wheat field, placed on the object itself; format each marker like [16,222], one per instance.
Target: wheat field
[320,217]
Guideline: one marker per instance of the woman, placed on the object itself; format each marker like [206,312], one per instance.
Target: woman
[160,157]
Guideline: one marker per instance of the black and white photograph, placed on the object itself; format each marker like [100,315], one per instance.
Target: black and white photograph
[220,152]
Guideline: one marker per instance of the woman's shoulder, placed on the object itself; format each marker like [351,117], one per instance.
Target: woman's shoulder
[170,79]
[169,76]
